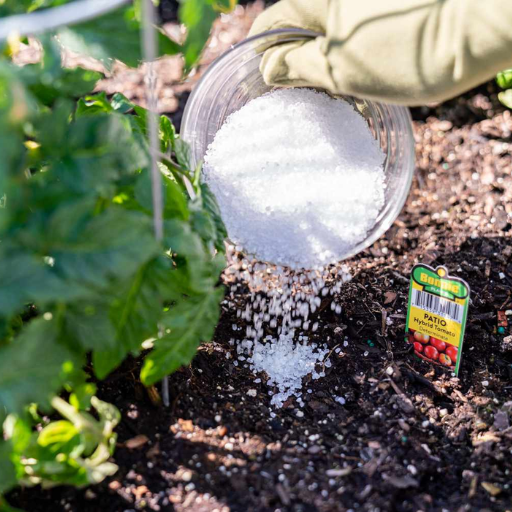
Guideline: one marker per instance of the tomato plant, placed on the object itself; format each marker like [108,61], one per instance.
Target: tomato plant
[81,272]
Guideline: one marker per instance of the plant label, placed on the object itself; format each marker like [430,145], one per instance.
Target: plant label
[436,315]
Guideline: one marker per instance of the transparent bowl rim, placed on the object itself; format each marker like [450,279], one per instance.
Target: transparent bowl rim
[402,114]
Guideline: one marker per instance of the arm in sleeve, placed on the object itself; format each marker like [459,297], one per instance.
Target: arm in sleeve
[399,51]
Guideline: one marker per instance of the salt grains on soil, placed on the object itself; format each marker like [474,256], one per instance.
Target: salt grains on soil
[299,180]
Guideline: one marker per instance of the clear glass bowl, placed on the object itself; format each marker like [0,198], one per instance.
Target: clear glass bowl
[234,79]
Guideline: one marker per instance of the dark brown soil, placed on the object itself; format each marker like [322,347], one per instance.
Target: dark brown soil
[410,437]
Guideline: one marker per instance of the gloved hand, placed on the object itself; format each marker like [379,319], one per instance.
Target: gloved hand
[399,51]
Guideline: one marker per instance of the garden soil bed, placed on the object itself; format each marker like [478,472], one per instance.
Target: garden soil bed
[410,436]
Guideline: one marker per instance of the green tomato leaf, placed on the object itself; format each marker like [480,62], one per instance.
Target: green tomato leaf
[93,104]
[135,310]
[212,207]
[115,36]
[110,246]
[120,103]
[166,130]
[193,274]
[198,16]
[33,367]
[183,153]
[27,278]
[89,324]
[49,81]
[175,202]
[190,322]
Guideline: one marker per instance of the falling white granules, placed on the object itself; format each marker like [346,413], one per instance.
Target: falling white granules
[298,177]
[286,363]
[287,302]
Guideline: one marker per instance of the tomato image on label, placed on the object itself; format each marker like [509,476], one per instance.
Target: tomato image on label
[438,344]
[452,352]
[444,359]
[418,347]
[431,352]
[422,338]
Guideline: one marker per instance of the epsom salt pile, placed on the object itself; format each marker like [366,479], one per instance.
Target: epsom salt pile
[298,177]
[286,363]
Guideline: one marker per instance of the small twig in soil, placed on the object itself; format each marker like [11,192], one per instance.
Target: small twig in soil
[400,277]
[329,355]
[416,377]
[384,324]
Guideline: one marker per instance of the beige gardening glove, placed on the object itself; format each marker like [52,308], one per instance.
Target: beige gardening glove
[409,52]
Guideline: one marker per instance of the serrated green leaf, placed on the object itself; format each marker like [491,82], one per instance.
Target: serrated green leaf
[105,361]
[27,278]
[203,225]
[190,322]
[174,201]
[110,246]
[113,36]
[198,16]
[48,80]
[183,153]
[193,274]
[99,149]
[33,367]
[89,324]
[212,207]
[135,311]
[120,103]
[93,104]
[166,130]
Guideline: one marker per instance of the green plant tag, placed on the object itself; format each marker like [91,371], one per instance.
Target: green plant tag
[436,315]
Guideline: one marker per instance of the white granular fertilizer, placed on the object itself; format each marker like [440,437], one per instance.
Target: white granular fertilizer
[298,177]
[286,363]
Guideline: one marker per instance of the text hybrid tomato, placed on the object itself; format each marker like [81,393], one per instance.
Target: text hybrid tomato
[452,352]
[431,352]
[444,359]
[418,347]
[438,344]
[422,338]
